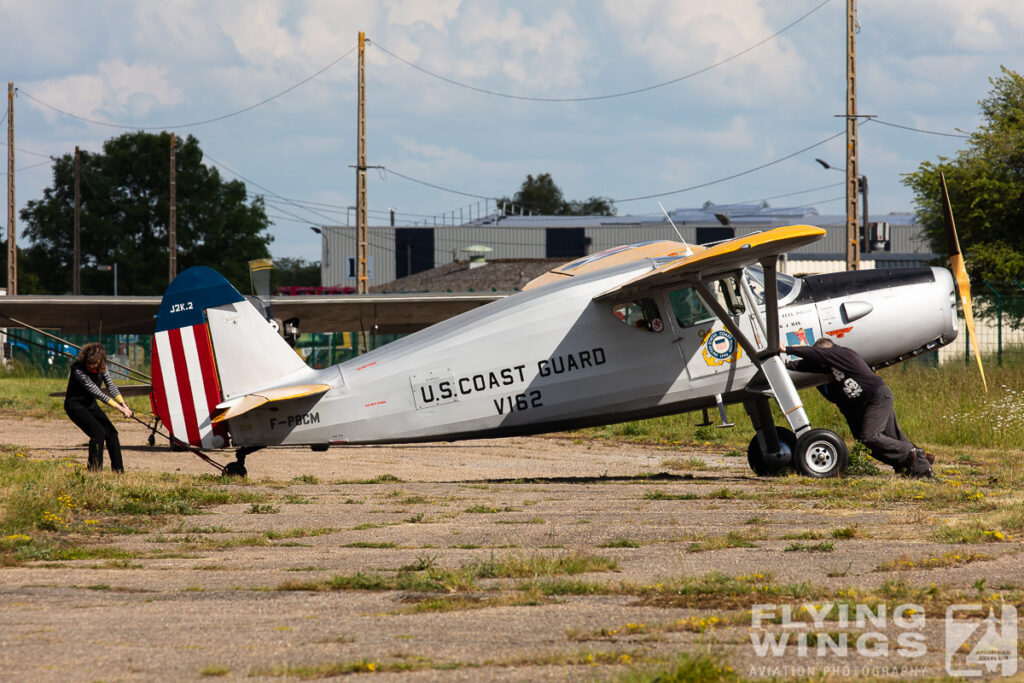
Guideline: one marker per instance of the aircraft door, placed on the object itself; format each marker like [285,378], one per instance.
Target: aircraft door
[707,347]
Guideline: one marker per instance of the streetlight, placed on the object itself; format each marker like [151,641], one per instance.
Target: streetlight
[862,184]
[108,269]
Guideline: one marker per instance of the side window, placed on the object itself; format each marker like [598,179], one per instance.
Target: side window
[727,292]
[641,314]
[690,310]
[687,307]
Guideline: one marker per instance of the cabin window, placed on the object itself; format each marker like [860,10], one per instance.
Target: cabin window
[755,278]
[688,308]
[727,292]
[640,314]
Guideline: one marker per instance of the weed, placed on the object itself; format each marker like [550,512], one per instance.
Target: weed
[694,464]
[733,539]
[823,547]
[215,670]
[620,543]
[488,510]
[661,495]
[262,509]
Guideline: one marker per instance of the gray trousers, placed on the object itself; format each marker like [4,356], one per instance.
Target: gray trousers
[876,427]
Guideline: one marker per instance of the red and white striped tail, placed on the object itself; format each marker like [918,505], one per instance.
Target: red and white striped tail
[185,386]
[211,345]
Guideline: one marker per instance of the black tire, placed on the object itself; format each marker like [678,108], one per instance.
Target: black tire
[765,465]
[151,440]
[234,469]
[820,454]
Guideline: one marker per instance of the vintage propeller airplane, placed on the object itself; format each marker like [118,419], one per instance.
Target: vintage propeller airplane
[633,332]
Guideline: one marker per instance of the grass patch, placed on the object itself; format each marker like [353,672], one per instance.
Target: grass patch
[488,510]
[299,532]
[262,509]
[661,495]
[425,576]
[42,500]
[733,539]
[620,543]
[690,464]
[823,547]
[950,559]
[685,667]
[215,670]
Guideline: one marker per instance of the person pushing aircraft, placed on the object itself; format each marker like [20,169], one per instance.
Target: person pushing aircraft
[866,401]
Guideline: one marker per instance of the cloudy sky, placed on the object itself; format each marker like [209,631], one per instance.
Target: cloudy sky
[473,95]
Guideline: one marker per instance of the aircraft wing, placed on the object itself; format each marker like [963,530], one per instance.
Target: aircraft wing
[720,258]
[384,313]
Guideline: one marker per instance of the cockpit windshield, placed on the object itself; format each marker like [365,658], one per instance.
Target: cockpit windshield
[755,278]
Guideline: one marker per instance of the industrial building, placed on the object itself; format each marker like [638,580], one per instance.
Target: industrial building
[398,251]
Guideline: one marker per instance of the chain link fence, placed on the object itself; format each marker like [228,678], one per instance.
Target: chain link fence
[999,323]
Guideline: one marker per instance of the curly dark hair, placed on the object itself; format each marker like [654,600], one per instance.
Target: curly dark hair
[93,355]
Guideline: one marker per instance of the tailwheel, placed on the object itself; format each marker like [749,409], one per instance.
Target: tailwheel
[820,453]
[770,464]
[234,469]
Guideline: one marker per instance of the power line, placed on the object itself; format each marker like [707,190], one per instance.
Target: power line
[610,95]
[730,177]
[436,187]
[920,130]
[792,194]
[110,124]
[25,168]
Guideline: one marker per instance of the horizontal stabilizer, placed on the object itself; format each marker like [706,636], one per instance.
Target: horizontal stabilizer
[243,404]
[721,258]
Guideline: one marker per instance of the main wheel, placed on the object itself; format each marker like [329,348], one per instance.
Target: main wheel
[820,453]
[765,464]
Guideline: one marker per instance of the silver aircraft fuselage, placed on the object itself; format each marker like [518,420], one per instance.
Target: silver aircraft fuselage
[553,357]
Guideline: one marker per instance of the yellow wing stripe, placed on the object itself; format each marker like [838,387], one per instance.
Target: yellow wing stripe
[725,256]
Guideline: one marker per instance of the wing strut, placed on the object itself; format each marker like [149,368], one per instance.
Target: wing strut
[769,361]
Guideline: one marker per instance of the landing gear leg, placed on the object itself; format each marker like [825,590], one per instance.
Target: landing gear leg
[771,450]
[237,468]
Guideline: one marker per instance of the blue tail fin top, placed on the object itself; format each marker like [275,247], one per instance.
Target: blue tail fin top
[189,294]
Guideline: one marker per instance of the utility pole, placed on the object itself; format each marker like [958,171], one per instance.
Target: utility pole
[172,229]
[76,283]
[852,177]
[362,274]
[12,237]
[362,249]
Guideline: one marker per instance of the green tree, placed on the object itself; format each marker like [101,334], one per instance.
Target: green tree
[542,196]
[986,187]
[125,194]
[295,272]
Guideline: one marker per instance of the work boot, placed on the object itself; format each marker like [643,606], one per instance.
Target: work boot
[920,467]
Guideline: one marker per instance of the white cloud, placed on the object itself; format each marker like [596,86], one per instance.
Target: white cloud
[677,38]
[435,13]
[116,90]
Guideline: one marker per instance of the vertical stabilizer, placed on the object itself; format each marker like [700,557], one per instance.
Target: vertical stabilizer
[210,344]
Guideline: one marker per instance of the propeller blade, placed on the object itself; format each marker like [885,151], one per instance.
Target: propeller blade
[963,282]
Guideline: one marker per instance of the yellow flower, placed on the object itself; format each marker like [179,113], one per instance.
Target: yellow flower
[625,659]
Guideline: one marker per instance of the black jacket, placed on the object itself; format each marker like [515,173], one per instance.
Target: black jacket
[853,381]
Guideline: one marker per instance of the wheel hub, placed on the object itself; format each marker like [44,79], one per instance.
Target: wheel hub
[821,456]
